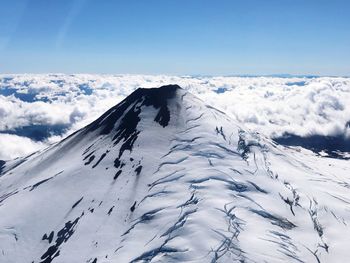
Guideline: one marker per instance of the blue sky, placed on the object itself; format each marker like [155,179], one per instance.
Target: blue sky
[175,36]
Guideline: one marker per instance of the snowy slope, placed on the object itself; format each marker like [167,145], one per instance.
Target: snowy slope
[163,177]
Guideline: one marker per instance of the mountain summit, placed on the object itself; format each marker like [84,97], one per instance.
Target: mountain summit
[163,177]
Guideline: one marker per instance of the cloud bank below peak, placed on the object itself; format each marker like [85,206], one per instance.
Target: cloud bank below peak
[58,104]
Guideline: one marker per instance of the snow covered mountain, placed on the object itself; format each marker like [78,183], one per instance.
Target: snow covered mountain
[163,177]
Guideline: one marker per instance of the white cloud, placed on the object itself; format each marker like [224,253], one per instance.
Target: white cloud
[272,106]
[13,146]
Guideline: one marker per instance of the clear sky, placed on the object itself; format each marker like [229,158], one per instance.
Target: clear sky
[209,37]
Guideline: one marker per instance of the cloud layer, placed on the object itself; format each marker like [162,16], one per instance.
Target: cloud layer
[269,105]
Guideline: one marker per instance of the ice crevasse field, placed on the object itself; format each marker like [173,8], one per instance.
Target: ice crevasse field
[167,175]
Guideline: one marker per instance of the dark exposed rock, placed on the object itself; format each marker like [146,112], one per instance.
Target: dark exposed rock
[126,114]
[132,209]
[2,165]
[62,236]
[332,145]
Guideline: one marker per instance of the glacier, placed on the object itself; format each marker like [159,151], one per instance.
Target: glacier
[165,177]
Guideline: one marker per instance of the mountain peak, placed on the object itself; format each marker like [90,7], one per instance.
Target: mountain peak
[160,92]
[156,97]
[122,120]
[163,177]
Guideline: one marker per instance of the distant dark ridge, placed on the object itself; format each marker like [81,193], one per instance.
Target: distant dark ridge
[38,132]
[332,145]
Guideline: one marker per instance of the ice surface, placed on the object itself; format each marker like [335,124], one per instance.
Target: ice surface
[164,177]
